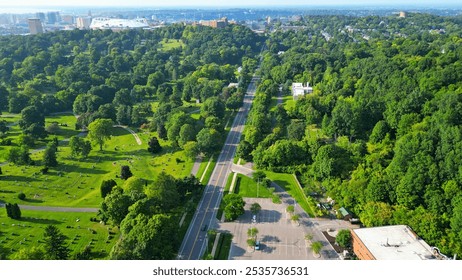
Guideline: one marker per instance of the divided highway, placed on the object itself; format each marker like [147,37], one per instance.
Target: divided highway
[194,242]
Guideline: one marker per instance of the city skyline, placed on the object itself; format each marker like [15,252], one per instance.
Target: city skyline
[222,3]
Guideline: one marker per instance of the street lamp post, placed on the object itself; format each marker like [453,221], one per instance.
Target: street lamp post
[258,186]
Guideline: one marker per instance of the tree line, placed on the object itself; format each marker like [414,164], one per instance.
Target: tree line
[381,132]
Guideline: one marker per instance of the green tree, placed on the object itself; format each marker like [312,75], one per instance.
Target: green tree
[255,208]
[79,146]
[187,133]
[49,156]
[234,206]
[252,232]
[134,187]
[191,149]
[31,115]
[376,214]
[258,176]
[213,107]
[125,172]
[86,254]
[55,244]
[154,145]
[244,150]
[30,253]
[115,206]
[100,131]
[164,192]
[456,219]
[3,127]
[316,247]
[296,130]
[149,238]
[106,187]
[19,155]
[208,141]
[379,132]
[13,211]
[343,238]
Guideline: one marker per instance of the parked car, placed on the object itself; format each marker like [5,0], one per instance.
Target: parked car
[257,245]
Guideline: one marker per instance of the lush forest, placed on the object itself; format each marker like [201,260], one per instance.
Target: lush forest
[381,133]
[170,83]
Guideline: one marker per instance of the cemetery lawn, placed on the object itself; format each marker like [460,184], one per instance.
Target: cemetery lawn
[76,182]
[77,227]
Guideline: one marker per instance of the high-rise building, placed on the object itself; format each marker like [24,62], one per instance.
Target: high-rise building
[40,16]
[67,19]
[83,22]
[35,26]
[53,17]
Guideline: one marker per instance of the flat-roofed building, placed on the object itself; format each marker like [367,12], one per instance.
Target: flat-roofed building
[398,242]
[35,26]
[83,22]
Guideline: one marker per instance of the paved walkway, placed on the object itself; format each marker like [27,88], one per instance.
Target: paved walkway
[56,209]
[196,166]
[137,138]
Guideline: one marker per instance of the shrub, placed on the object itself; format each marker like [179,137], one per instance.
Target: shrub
[21,196]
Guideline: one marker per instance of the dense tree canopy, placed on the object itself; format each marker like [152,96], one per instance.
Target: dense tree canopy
[381,131]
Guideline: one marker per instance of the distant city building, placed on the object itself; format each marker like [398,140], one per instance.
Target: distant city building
[35,26]
[13,19]
[118,24]
[298,89]
[53,17]
[67,19]
[402,14]
[396,242]
[40,16]
[83,22]
[221,23]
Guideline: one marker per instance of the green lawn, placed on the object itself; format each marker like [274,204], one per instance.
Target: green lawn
[171,44]
[80,231]
[247,187]
[224,246]
[287,181]
[76,182]
[207,173]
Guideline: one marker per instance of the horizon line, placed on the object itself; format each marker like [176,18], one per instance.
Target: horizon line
[426,5]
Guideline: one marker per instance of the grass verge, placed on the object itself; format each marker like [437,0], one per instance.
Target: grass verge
[247,187]
[288,183]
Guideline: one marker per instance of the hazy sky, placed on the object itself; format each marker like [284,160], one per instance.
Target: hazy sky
[234,3]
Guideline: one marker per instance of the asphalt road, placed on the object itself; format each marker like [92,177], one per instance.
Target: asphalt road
[194,242]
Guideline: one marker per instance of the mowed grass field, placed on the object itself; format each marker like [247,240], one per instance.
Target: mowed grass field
[75,182]
[77,227]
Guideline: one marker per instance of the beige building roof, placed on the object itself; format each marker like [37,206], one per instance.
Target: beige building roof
[397,242]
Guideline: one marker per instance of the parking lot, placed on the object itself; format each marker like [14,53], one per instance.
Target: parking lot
[280,238]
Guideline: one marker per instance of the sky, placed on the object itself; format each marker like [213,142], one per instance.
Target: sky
[224,3]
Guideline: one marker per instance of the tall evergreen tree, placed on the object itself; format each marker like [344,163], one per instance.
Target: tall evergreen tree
[55,243]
